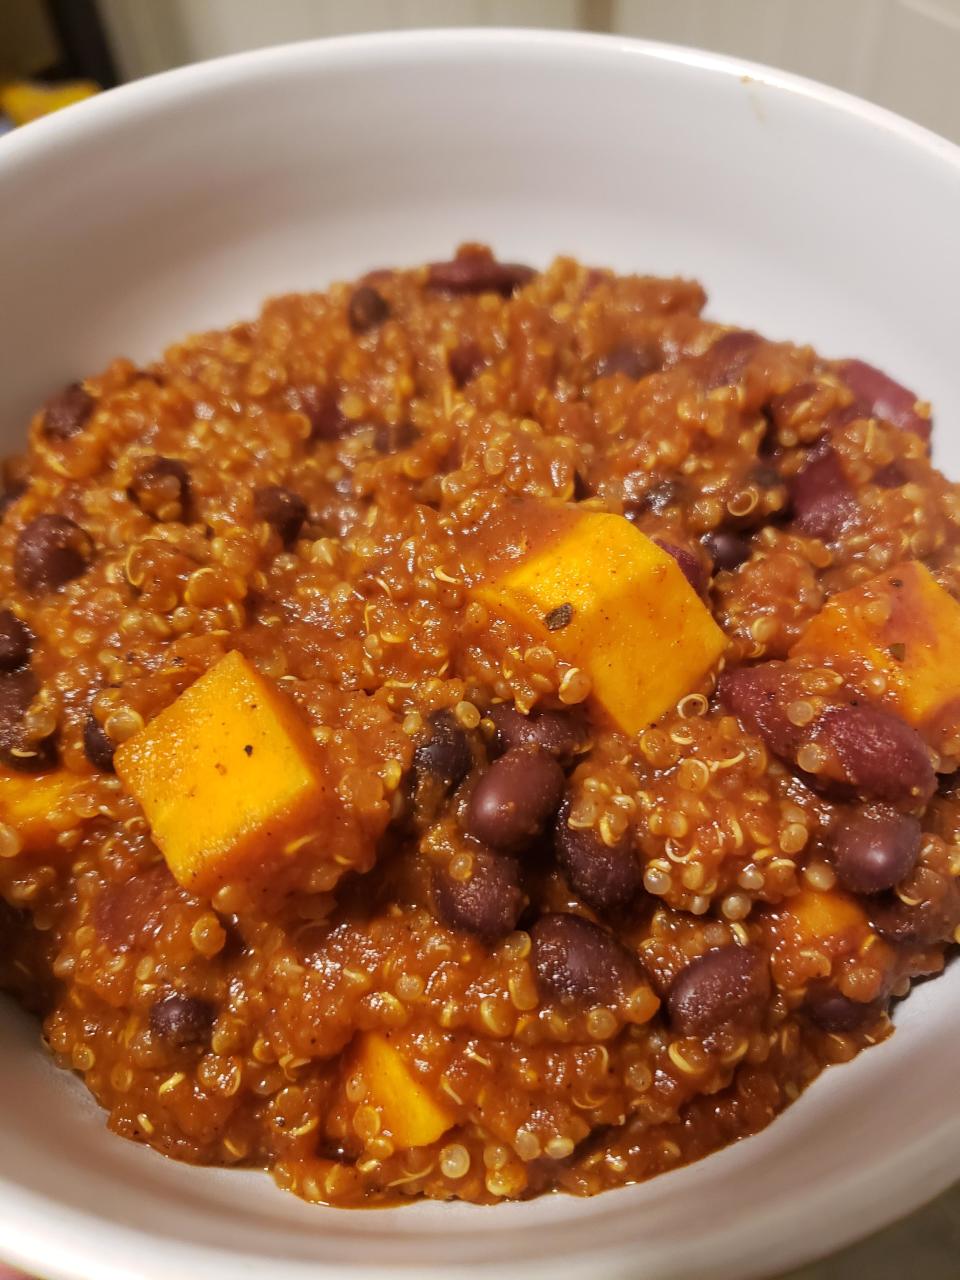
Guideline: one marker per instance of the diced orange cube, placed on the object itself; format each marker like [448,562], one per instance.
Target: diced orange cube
[227,776]
[36,806]
[901,624]
[411,1115]
[606,599]
[828,920]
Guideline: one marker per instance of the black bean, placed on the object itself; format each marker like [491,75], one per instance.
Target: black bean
[834,1012]
[282,509]
[161,488]
[17,691]
[97,747]
[823,503]
[65,414]
[578,963]
[875,848]
[690,566]
[660,496]
[727,984]
[515,798]
[319,406]
[606,877]
[16,642]
[465,362]
[476,270]
[182,1021]
[367,309]
[632,359]
[878,396]
[728,550]
[561,733]
[879,755]
[444,756]
[49,551]
[488,902]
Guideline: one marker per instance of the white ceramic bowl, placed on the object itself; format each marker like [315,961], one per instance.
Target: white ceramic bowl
[182,201]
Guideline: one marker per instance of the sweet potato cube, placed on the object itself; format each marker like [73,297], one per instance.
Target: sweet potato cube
[408,1111]
[607,599]
[36,805]
[830,921]
[901,624]
[226,775]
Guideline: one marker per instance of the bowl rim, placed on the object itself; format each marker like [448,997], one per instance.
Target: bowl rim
[73,1249]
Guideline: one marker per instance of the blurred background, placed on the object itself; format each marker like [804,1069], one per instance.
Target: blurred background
[901,53]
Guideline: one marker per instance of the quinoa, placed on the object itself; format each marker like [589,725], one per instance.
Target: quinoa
[610,991]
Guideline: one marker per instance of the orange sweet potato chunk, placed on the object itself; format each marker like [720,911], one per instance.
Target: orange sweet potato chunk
[227,777]
[901,624]
[36,806]
[408,1112]
[608,600]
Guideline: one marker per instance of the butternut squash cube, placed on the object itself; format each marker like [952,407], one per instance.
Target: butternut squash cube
[901,624]
[35,805]
[608,600]
[408,1111]
[227,777]
[830,921]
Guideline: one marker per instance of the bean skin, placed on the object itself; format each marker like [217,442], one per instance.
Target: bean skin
[65,414]
[368,309]
[688,563]
[756,696]
[161,488]
[182,1021]
[578,963]
[515,798]
[728,984]
[724,363]
[17,691]
[97,747]
[488,902]
[834,1012]
[50,551]
[878,396]
[444,756]
[822,501]
[282,509]
[16,642]
[606,877]
[476,270]
[561,733]
[879,755]
[727,550]
[631,359]
[875,848]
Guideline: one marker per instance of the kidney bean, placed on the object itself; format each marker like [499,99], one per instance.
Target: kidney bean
[65,414]
[49,551]
[443,759]
[561,733]
[875,848]
[690,566]
[131,914]
[515,798]
[632,359]
[16,641]
[728,984]
[891,476]
[319,406]
[723,364]
[17,691]
[606,877]
[368,309]
[878,754]
[476,270]
[878,396]
[182,1021]
[756,695]
[282,509]
[161,488]
[97,747]
[834,1012]
[465,362]
[931,920]
[822,500]
[578,963]
[728,550]
[487,903]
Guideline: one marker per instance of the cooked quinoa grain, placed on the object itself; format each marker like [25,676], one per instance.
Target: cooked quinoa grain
[471,732]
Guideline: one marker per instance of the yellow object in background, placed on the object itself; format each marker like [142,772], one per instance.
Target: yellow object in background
[25,100]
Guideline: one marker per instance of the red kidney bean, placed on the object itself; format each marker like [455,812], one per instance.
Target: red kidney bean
[606,877]
[756,695]
[834,1012]
[16,641]
[465,362]
[282,509]
[878,396]
[182,1021]
[728,984]
[878,754]
[50,551]
[633,360]
[515,798]
[130,915]
[891,476]
[690,565]
[821,498]
[931,920]
[728,550]
[561,733]
[578,963]
[875,848]
[65,414]
[161,488]
[367,309]
[319,406]
[723,364]
[488,902]
[17,691]
[476,270]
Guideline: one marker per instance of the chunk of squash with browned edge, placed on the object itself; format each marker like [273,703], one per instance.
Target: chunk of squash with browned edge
[902,625]
[606,599]
[227,776]
[409,1112]
[37,806]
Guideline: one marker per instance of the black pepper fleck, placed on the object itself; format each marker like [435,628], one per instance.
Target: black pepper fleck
[248,749]
[559,618]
